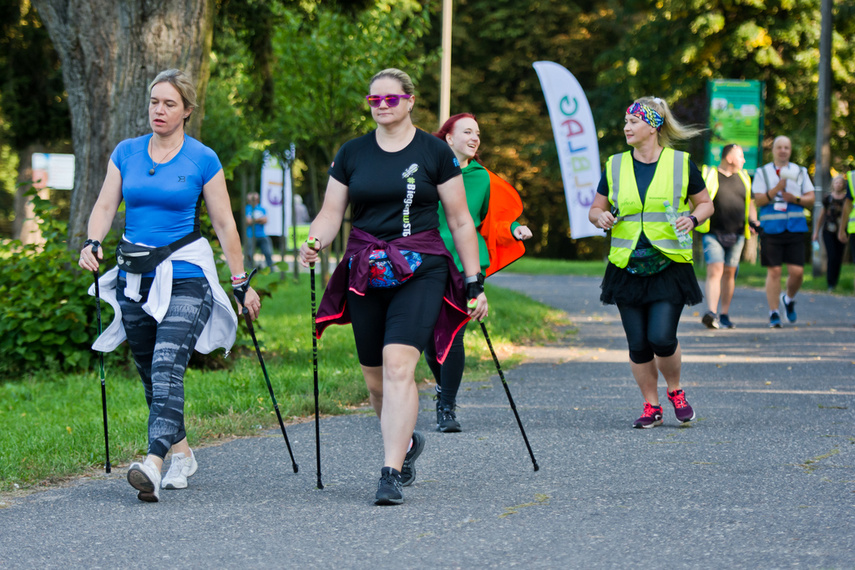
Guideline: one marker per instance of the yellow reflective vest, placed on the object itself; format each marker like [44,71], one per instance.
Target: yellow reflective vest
[711,181]
[850,177]
[670,183]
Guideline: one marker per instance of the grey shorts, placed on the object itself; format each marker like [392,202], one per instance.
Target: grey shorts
[714,252]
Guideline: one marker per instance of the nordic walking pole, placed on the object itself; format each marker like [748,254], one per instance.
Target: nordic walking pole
[107,467]
[240,294]
[508,392]
[311,242]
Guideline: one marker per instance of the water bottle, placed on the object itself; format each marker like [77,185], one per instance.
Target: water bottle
[815,248]
[685,238]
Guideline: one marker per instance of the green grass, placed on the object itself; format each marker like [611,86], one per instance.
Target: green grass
[750,275]
[51,427]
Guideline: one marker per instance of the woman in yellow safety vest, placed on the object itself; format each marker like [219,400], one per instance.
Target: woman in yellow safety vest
[649,275]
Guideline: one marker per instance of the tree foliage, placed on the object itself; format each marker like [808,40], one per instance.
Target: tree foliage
[673,47]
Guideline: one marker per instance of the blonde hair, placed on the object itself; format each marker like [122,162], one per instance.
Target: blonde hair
[398,75]
[671,130]
[182,84]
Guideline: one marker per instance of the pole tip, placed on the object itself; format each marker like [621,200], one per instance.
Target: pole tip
[536,467]
[296,468]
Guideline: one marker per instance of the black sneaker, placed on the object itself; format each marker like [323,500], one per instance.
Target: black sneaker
[775,321]
[710,321]
[408,471]
[789,308]
[389,488]
[446,419]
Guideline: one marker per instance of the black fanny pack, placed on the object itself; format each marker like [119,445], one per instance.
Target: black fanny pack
[135,258]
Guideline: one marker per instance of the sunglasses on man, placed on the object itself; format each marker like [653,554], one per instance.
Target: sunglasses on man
[391,100]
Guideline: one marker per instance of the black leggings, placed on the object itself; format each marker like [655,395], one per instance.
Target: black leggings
[398,315]
[835,250]
[449,374]
[651,329]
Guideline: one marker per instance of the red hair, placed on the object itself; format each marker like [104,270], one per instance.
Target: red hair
[448,126]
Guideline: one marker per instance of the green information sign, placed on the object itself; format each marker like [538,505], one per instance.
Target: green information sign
[736,116]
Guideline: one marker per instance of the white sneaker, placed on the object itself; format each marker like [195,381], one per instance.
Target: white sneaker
[145,478]
[180,468]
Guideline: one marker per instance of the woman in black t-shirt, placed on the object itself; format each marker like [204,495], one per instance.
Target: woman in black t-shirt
[397,283]
[829,221]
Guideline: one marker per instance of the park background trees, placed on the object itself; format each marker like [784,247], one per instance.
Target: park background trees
[294,71]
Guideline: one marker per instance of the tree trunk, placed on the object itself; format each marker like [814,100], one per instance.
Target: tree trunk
[110,51]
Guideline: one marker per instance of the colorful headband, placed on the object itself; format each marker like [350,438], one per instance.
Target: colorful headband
[646,114]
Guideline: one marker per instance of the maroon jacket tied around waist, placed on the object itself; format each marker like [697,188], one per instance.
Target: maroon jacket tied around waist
[360,244]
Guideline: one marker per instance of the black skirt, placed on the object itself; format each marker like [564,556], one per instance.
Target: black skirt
[676,283]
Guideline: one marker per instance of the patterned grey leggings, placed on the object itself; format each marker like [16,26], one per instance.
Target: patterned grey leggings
[161,353]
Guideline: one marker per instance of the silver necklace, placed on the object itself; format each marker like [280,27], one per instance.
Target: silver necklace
[154,164]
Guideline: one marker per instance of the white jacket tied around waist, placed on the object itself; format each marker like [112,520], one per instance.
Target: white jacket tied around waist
[219,331]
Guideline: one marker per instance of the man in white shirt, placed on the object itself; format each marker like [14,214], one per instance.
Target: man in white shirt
[783,192]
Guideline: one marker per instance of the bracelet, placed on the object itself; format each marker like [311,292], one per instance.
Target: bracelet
[694,220]
[768,198]
[238,279]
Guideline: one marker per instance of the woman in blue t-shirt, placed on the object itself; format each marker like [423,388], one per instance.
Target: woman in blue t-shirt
[167,312]
[397,283]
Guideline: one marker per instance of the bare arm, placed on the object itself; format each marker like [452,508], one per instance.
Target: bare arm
[600,213]
[752,216]
[819,221]
[806,200]
[769,197]
[702,209]
[326,225]
[102,216]
[219,209]
[844,220]
[453,197]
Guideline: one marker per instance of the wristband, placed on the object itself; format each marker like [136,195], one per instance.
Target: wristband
[768,198]
[238,279]
[474,285]
[694,221]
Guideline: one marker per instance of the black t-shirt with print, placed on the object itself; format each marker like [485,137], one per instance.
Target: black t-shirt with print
[393,194]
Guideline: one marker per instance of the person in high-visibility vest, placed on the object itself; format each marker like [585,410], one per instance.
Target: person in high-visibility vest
[846,231]
[649,275]
[783,193]
[725,233]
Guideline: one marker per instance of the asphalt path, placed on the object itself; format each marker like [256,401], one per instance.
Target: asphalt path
[763,478]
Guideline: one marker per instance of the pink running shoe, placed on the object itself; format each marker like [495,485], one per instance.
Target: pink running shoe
[651,417]
[682,409]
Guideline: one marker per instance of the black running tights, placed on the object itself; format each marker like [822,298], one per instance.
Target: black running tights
[651,329]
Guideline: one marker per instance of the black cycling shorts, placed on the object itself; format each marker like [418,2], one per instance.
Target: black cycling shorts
[398,315]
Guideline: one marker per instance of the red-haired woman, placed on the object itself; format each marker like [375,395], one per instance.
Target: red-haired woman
[463,136]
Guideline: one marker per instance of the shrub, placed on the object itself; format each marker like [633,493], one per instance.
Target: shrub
[46,320]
